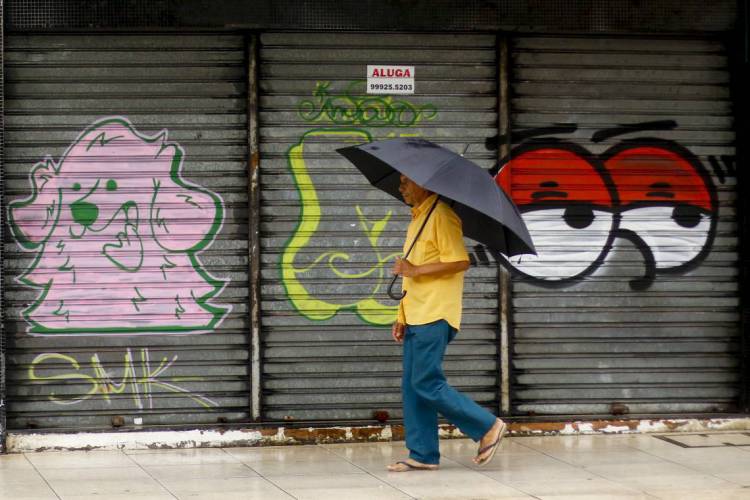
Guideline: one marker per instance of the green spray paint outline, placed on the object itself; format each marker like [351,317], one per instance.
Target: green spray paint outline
[218,313]
[365,110]
[355,110]
[368,309]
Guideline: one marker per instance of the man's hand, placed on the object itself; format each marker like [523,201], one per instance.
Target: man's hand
[397,330]
[403,267]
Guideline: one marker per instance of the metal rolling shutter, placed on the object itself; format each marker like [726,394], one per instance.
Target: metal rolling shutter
[327,351]
[175,350]
[667,345]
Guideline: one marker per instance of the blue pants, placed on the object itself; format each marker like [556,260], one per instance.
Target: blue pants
[426,393]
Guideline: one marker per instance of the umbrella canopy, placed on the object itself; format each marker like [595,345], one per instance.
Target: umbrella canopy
[487,213]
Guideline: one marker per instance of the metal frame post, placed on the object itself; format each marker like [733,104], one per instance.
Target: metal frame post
[740,79]
[503,150]
[252,47]
[3,332]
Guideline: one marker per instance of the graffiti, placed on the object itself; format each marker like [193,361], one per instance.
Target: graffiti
[140,380]
[651,192]
[361,287]
[362,110]
[117,232]
[352,274]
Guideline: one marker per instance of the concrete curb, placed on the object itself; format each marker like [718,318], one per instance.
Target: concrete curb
[22,442]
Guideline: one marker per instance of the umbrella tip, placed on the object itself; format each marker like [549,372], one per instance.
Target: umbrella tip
[465,149]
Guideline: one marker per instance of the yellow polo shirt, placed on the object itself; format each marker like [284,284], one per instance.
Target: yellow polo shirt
[431,298]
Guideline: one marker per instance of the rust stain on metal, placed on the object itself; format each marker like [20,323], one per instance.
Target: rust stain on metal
[673,426]
[367,433]
[325,435]
[536,428]
[600,425]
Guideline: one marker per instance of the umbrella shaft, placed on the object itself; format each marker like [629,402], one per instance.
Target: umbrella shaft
[391,293]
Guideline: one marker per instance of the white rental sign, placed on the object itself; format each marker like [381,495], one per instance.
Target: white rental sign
[390,79]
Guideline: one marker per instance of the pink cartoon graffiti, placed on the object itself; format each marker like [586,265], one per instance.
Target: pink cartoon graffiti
[117,233]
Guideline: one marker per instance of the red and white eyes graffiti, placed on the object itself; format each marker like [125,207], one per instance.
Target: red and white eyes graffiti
[567,207]
[654,194]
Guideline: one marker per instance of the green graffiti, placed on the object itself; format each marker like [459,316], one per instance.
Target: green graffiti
[366,305]
[342,282]
[353,108]
[97,227]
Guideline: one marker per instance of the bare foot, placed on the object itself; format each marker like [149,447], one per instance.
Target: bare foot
[409,465]
[490,442]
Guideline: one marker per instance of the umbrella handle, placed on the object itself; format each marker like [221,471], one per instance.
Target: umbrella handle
[391,293]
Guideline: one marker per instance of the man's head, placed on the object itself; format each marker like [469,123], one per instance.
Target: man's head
[413,193]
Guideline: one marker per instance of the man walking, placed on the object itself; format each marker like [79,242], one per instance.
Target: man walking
[429,316]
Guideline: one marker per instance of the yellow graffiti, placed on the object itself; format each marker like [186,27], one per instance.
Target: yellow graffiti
[103,383]
[350,113]
[368,308]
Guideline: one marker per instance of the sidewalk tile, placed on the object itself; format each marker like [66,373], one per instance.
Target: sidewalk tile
[580,486]
[449,483]
[599,496]
[612,457]
[127,496]
[701,494]
[302,461]
[198,456]
[346,486]
[29,488]
[19,476]
[658,481]
[741,478]
[15,462]
[200,471]
[79,459]
[252,487]
[102,481]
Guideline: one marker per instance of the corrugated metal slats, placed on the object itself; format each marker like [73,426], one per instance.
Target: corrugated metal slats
[651,323]
[328,237]
[139,296]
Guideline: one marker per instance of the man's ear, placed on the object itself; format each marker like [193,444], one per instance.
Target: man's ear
[184,218]
[33,218]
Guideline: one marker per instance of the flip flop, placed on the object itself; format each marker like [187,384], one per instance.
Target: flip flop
[407,467]
[492,448]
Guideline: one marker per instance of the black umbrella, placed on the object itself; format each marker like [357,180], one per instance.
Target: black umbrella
[487,213]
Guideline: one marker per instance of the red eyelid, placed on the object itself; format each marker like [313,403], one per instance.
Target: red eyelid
[553,175]
[640,174]
[654,174]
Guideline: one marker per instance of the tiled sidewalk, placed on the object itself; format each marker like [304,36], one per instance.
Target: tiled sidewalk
[566,467]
